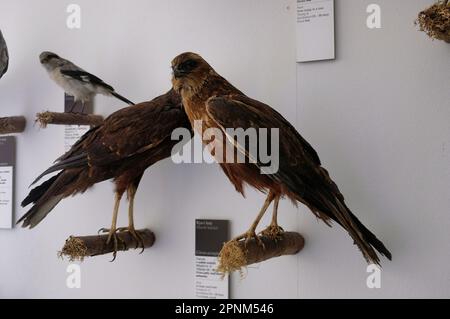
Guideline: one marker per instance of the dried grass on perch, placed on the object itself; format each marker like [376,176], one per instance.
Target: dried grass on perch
[77,248]
[237,254]
[46,118]
[435,21]
[13,124]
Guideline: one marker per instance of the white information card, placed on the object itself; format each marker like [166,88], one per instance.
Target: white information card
[315,30]
[7,162]
[72,133]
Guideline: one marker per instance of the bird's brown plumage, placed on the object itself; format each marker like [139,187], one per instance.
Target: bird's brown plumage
[210,98]
[122,148]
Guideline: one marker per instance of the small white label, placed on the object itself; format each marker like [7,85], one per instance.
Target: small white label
[6,193]
[72,134]
[209,284]
[315,30]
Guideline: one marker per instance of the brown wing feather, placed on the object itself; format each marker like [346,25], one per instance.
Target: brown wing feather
[125,133]
[300,171]
[128,142]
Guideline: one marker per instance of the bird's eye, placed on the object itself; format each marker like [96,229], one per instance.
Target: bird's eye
[189,64]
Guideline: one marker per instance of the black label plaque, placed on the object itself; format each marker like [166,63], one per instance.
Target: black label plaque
[210,235]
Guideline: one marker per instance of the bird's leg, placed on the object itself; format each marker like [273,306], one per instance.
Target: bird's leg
[112,232]
[83,104]
[72,107]
[131,192]
[75,103]
[273,230]
[251,232]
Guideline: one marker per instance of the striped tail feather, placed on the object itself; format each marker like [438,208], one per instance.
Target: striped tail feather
[46,196]
[120,97]
[39,211]
[326,202]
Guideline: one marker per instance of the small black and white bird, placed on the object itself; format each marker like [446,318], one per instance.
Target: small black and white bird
[75,81]
[4,57]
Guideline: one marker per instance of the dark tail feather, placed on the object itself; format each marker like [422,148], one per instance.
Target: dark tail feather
[372,239]
[38,212]
[39,191]
[73,161]
[44,202]
[120,97]
[326,202]
[363,237]
[368,239]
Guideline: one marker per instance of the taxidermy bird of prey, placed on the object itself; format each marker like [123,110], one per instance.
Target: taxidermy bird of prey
[75,81]
[209,97]
[4,57]
[122,148]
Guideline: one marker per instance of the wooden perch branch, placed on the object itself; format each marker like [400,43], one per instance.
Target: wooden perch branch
[236,254]
[77,248]
[46,118]
[13,124]
[435,21]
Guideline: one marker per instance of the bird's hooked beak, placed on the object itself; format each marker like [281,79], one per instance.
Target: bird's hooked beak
[178,72]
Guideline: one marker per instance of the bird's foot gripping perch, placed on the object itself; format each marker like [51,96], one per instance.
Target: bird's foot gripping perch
[236,254]
[137,237]
[77,248]
[273,231]
[112,236]
[248,236]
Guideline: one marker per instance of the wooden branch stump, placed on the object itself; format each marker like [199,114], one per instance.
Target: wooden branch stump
[435,21]
[77,248]
[46,118]
[236,254]
[13,124]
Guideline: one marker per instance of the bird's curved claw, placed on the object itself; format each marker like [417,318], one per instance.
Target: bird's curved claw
[138,238]
[102,230]
[116,245]
[273,232]
[112,235]
[248,236]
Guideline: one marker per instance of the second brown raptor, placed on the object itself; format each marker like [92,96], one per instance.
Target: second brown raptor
[211,99]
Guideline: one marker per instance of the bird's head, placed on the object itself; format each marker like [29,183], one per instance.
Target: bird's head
[190,71]
[48,58]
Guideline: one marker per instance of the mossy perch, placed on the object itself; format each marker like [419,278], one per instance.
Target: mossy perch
[77,248]
[237,254]
[46,118]
[13,124]
[435,21]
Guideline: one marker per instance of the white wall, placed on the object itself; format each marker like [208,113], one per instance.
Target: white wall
[378,116]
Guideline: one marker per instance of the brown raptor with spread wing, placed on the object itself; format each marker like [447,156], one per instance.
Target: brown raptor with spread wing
[210,98]
[122,148]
